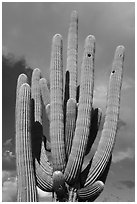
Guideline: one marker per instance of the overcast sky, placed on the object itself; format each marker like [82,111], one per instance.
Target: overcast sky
[27,30]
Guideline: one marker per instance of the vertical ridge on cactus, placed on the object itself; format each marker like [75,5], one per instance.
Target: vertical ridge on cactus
[56,104]
[84,111]
[25,173]
[107,140]
[72,53]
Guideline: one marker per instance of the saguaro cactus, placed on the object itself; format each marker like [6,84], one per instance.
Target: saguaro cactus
[74,124]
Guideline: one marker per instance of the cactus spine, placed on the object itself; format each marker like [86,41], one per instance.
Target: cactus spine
[74,124]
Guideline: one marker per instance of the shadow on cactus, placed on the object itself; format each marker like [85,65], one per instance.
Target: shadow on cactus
[74,124]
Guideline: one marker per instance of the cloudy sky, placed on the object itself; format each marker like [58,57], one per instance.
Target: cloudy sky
[27,30]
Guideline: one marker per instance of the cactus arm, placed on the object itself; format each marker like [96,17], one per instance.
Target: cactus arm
[46,99]
[21,80]
[108,136]
[84,111]
[104,174]
[25,173]
[36,95]
[42,167]
[70,124]
[56,105]
[91,192]
[43,173]
[72,53]
[41,164]
[44,91]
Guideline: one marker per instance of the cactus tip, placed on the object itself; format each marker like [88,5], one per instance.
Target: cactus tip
[120,51]
[36,70]
[57,39]
[42,81]
[22,76]
[74,15]
[25,86]
[90,39]
[100,183]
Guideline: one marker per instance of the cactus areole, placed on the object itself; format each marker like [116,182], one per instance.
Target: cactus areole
[57,165]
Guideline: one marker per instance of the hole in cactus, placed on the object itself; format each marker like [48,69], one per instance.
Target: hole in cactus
[120,55]
[89,55]
[113,71]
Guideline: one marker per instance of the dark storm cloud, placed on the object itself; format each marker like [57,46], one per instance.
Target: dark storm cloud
[128,183]
[8,162]
[11,68]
